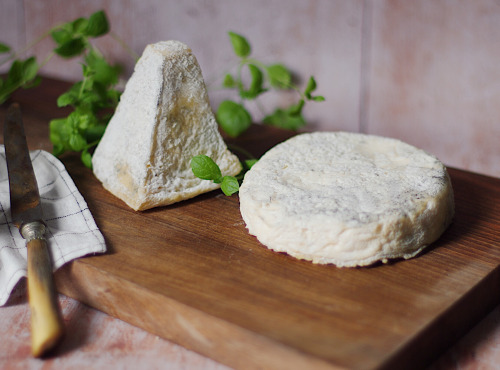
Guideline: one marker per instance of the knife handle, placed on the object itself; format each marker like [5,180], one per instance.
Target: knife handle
[47,326]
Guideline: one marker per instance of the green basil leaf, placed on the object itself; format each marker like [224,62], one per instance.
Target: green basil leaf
[95,132]
[61,35]
[86,158]
[85,121]
[255,88]
[57,149]
[71,48]
[102,71]
[87,71]
[33,83]
[205,168]
[279,76]
[68,98]
[311,86]
[240,44]
[229,81]
[15,74]
[113,96]
[229,185]
[98,24]
[233,118]
[79,25]
[318,98]
[29,69]
[248,163]
[296,109]
[4,48]
[59,132]
[21,74]
[285,119]
[77,142]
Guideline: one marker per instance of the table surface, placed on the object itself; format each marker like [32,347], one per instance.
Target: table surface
[98,340]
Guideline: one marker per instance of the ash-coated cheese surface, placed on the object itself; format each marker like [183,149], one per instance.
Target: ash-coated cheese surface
[347,199]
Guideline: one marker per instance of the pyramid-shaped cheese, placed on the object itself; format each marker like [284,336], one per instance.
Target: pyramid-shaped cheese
[163,119]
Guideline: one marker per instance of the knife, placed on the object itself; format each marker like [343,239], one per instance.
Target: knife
[46,320]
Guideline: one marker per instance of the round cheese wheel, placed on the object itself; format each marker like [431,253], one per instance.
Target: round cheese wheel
[345,198]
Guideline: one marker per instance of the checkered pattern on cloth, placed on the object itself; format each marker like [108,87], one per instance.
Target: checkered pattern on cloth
[71,229]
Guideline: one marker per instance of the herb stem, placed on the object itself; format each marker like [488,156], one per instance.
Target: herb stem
[46,60]
[125,46]
[239,73]
[82,86]
[15,55]
[7,92]
[237,148]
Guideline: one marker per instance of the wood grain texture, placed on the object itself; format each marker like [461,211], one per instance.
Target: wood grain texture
[192,274]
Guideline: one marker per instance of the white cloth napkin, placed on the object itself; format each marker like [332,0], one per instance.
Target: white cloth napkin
[71,229]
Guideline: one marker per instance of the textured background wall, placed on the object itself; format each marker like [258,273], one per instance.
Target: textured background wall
[426,72]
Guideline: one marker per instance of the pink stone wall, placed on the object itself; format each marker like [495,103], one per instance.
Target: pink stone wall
[426,72]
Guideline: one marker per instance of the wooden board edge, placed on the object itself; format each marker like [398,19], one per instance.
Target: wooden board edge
[191,328]
[420,351]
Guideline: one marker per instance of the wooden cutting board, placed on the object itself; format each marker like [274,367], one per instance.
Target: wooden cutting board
[192,274]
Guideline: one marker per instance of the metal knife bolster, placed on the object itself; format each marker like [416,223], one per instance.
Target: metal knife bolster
[33,230]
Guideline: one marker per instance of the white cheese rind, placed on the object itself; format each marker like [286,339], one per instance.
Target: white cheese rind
[163,119]
[347,199]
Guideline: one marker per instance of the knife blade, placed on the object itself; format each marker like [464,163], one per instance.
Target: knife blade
[26,212]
